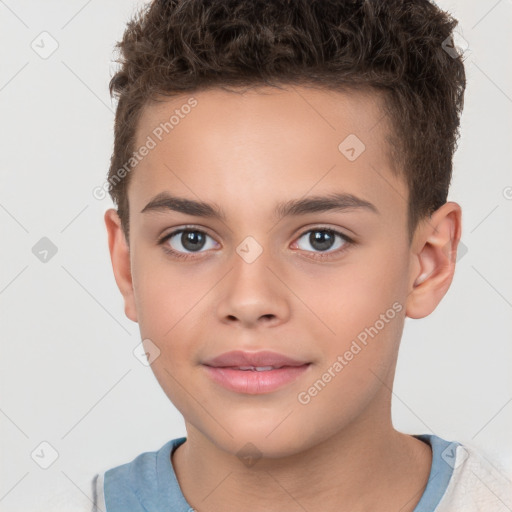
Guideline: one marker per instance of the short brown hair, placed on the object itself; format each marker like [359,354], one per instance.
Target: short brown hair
[396,47]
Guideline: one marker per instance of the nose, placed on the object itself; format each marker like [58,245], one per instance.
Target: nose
[252,294]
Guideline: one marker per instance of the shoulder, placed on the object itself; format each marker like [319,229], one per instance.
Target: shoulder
[476,484]
[77,498]
[137,484]
[143,468]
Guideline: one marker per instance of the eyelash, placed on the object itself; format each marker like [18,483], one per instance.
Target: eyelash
[320,256]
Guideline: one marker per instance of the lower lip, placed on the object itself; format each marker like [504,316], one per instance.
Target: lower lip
[253,382]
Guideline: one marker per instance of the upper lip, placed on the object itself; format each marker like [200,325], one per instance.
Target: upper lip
[239,358]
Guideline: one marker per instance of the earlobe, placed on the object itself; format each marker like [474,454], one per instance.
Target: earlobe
[120,257]
[434,256]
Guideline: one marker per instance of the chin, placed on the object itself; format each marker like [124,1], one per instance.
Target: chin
[263,438]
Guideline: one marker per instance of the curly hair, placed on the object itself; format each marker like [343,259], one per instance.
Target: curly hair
[397,48]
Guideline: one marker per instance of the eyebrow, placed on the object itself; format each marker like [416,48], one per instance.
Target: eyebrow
[164,202]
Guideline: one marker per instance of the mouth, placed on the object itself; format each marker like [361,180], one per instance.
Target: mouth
[254,368]
[254,373]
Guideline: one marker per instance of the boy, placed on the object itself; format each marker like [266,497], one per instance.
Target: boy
[280,171]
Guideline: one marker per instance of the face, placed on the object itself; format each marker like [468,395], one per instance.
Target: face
[299,247]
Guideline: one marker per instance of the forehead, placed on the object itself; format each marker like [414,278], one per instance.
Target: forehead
[265,145]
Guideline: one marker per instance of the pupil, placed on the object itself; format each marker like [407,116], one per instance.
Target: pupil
[192,240]
[321,240]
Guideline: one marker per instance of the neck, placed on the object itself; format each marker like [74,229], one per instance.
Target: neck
[365,466]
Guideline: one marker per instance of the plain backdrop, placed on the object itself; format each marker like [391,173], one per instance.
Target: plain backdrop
[69,378]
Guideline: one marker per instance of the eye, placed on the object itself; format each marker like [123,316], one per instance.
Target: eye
[324,240]
[183,242]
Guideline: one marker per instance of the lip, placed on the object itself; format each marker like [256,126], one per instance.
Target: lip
[262,358]
[224,370]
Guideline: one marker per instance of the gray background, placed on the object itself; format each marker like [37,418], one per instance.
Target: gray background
[68,373]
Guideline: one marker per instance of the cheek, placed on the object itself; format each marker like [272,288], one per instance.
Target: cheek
[173,302]
[362,305]
[349,299]
[170,312]
[169,296]
[357,362]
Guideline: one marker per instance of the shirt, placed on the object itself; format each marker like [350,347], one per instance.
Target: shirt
[460,480]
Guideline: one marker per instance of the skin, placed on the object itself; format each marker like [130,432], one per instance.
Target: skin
[246,151]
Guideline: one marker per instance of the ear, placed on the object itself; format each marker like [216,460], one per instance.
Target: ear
[120,256]
[434,253]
